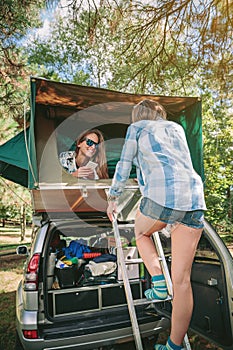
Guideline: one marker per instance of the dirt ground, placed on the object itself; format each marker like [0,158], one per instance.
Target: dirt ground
[13,236]
[11,266]
[10,272]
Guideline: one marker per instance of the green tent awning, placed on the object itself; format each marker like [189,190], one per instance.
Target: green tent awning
[14,160]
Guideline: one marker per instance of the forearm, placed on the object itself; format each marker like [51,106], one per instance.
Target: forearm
[120,178]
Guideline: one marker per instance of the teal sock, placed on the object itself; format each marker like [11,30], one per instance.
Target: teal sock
[172,346]
[169,346]
[157,278]
[158,290]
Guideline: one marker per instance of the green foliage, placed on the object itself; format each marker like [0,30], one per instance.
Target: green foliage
[218,155]
[16,18]
[138,47]
[167,49]
[13,197]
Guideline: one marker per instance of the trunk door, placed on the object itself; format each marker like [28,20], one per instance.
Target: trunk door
[212,284]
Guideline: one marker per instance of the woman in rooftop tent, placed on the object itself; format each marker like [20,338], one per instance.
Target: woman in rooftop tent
[172,193]
[89,159]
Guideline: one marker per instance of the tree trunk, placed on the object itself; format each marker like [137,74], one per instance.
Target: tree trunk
[23,222]
[229,197]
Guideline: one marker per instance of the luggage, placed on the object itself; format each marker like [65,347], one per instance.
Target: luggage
[68,276]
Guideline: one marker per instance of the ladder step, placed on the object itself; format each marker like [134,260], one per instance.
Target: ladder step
[123,261]
[133,261]
[145,301]
[125,225]
[136,261]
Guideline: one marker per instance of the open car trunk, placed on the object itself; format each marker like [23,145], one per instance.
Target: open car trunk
[59,113]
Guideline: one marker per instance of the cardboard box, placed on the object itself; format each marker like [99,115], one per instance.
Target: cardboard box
[112,243]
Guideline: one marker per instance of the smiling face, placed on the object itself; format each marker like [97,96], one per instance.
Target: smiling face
[89,145]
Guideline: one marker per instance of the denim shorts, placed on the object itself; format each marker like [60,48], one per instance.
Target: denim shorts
[155,211]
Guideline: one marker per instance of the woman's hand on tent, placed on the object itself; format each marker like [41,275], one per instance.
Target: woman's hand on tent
[112,210]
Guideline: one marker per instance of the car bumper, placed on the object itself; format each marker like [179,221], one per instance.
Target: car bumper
[94,340]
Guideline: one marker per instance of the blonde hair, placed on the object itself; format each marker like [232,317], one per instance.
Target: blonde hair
[100,155]
[149,110]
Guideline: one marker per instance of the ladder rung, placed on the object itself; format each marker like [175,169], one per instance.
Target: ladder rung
[125,225]
[133,261]
[123,261]
[146,301]
[136,261]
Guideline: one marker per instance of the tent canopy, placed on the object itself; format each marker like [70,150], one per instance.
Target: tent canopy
[60,111]
[14,159]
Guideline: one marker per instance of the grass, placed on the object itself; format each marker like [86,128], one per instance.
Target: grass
[7,325]
[10,274]
[8,229]
[11,236]
[228,239]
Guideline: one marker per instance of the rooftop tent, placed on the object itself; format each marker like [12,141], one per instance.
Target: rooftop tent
[14,160]
[60,111]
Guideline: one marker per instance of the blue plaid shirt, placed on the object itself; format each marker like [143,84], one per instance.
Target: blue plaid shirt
[164,168]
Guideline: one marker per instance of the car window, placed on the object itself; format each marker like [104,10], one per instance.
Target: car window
[205,249]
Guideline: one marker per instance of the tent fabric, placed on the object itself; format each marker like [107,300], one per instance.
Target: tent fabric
[191,121]
[60,111]
[81,97]
[13,159]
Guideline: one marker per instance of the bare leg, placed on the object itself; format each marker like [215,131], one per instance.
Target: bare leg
[144,227]
[184,244]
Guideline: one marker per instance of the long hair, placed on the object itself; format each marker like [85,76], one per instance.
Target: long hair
[149,110]
[100,155]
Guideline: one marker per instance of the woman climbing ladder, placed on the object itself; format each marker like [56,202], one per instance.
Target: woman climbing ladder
[172,193]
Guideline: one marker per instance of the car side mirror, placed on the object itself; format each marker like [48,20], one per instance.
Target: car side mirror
[22,250]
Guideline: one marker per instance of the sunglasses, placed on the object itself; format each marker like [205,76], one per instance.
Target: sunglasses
[90,143]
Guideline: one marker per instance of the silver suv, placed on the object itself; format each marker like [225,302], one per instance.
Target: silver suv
[72,308]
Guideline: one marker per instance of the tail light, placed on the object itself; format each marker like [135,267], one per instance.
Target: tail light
[31,275]
[30,334]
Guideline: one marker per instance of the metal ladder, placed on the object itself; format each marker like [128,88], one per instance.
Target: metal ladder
[130,302]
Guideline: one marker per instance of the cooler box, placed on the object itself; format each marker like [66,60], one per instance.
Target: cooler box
[67,276]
